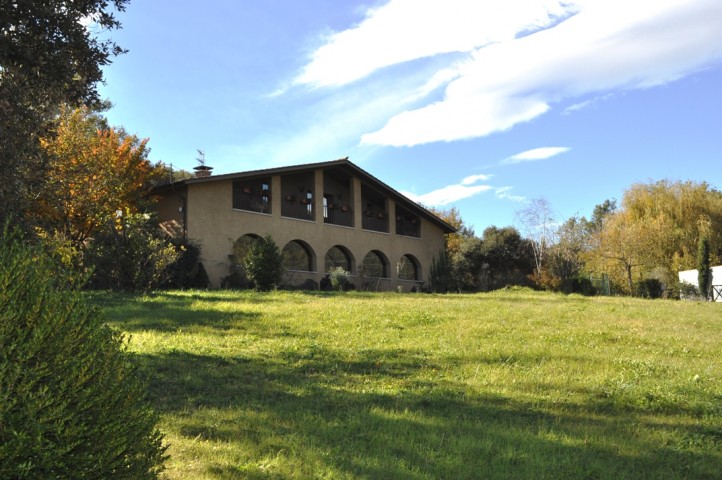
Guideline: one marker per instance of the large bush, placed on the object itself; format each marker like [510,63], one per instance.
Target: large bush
[71,403]
[131,254]
[188,270]
[264,264]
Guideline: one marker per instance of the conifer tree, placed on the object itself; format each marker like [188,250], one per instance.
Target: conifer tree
[704,270]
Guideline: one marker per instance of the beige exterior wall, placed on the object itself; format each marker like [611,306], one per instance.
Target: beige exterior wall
[215,225]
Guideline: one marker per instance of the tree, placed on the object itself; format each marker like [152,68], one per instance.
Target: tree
[565,257]
[440,275]
[48,56]
[537,224]
[453,241]
[130,254]
[93,171]
[599,215]
[264,264]
[71,403]
[622,242]
[164,173]
[655,232]
[466,264]
[507,258]
[704,270]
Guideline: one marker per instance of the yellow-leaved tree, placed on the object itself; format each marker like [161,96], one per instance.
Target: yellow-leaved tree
[656,232]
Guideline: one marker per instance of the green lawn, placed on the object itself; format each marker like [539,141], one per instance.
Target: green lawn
[512,384]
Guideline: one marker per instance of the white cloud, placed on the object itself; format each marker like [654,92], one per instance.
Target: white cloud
[522,57]
[535,154]
[452,193]
[504,194]
[449,194]
[472,179]
[404,30]
[465,189]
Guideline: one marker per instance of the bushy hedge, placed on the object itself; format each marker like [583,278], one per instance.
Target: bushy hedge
[188,270]
[71,404]
[264,264]
[649,288]
[131,255]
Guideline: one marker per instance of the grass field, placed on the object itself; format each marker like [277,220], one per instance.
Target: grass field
[511,384]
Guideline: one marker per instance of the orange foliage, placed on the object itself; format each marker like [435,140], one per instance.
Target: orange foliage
[93,172]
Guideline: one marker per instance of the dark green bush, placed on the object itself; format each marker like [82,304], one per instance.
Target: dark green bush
[440,273]
[187,271]
[649,288]
[237,278]
[579,285]
[131,256]
[71,403]
[264,264]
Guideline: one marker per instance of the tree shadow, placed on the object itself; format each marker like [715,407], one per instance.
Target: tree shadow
[420,429]
[170,312]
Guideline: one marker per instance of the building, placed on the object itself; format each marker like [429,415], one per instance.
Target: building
[321,215]
[691,277]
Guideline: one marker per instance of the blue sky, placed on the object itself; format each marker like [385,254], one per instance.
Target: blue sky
[481,105]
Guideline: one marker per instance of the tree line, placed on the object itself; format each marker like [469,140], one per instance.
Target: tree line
[639,244]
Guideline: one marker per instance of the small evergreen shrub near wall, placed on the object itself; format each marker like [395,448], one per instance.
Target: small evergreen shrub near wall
[71,404]
[264,264]
[188,270]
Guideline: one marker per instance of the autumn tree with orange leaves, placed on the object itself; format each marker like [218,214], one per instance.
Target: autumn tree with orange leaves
[95,175]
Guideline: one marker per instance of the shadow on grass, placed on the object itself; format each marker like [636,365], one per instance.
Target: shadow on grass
[170,312]
[329,412]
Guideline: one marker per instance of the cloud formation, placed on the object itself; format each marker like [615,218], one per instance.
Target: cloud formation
[452,193]
[541,153]
[405,30]
[514,60]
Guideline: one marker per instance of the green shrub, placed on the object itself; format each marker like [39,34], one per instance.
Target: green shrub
[187,271]
[71,404]
[237,278]
[581,285]
[132,256]
[440,273]
[649,288]
[339,279]
[687,291]
[264,264]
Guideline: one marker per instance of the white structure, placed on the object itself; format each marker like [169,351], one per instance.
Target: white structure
[690,276]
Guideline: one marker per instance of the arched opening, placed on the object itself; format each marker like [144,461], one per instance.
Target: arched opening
[338,256]
[298,256]
[236,271]
[376,265]
[242,246]
[408,268]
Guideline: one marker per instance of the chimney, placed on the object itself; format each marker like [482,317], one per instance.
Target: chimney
[202,171]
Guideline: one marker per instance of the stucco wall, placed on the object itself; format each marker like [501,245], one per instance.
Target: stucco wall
[691,277]
[213,223]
